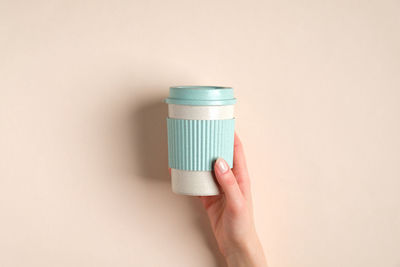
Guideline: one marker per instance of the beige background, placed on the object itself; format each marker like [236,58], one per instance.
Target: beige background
[83,159]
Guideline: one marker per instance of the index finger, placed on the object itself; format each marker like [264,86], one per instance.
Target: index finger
[240,167]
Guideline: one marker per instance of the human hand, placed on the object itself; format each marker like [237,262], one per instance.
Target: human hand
[231,213]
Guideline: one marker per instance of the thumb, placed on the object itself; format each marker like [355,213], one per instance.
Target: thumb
[228,183]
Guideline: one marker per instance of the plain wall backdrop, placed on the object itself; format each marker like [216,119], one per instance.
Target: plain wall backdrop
[83,152]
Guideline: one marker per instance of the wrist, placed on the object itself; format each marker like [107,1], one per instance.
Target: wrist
[249,254]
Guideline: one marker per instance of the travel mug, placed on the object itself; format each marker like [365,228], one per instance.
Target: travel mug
[200,127]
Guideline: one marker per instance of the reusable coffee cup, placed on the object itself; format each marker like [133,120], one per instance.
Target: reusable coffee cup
[201,128]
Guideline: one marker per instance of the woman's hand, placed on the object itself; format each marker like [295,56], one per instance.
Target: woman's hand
[231,213]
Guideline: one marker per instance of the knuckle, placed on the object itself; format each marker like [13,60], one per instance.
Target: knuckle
[237,208]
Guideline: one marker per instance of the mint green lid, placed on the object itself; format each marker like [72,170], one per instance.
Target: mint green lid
[201,95]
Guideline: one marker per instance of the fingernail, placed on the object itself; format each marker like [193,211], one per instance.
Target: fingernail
[222,165]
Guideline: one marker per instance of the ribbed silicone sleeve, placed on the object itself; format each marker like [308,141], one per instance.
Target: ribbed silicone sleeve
[195,144]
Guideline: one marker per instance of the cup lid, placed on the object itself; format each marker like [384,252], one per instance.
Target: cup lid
[201,95]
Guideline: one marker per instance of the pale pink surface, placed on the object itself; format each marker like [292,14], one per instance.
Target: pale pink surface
[83,153]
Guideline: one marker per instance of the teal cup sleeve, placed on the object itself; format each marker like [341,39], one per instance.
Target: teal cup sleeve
[194,145]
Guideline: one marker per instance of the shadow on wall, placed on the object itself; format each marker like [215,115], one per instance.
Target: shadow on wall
[151,148]
[151,140]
